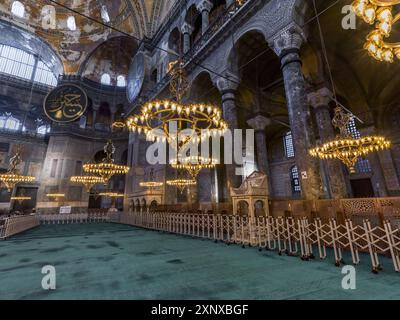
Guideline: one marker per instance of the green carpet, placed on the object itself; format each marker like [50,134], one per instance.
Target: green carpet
[107,261]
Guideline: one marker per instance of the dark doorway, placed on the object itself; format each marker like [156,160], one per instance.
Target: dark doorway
[95,202]
[362,188]
[25,206]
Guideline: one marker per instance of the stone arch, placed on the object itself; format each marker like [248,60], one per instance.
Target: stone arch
[153,206]
[203,89]
[175,41]
[243,208]
[112,56]
[231,50]
[16,37]
[144,204]
[259,208]
[274,18]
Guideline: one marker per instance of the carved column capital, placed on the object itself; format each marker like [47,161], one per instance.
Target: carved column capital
[227,84]
[186,28]
[96,105]
[259,123]
[205,5]
[320,98]
[288,40]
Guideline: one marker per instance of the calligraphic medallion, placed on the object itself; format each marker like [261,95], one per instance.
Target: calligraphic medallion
[65,103]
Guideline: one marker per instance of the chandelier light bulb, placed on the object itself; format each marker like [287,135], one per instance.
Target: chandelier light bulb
[370,14]
[385,27]
[388,56]
[359,7]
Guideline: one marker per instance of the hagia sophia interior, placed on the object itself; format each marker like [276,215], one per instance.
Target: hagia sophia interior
[311,84]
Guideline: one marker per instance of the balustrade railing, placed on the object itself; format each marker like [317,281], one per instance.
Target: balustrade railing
[214,28]
[295,237]
[79,218]
[211,32]
[14,225]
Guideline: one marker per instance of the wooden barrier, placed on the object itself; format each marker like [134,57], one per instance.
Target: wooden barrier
[295,237]
[17,224]
[92,217]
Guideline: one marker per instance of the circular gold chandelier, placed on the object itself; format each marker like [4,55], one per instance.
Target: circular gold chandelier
[194,164]
[165,120]
[380,13]
[182,184]
[346,148]
[107,168]
[88,181]
[158,119]
[12,177]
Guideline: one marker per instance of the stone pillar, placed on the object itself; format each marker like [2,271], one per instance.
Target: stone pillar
[186,30]
[287,46]
[228,91]
[113,110]
[335,179]
[95,107]
[205,7]
[378,179]
[259,124]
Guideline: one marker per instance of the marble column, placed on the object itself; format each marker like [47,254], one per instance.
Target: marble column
[287,46]
[95,107]
[187,31]
[228,91]
[205,7]
[113,110]
[335,179]
[259,124]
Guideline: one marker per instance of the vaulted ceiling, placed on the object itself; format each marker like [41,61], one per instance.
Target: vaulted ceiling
[138,18]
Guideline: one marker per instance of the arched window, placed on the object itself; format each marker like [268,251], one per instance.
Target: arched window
[45,75]
[288,143]
[295,177]
[71,24]
[16,62]
[8,122]
[104,14]
[363,165]
[18,9]
[21,64]
[105,79]
[121,81]
[43,129]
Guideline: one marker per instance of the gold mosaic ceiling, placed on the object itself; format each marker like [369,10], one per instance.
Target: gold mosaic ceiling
[136,17]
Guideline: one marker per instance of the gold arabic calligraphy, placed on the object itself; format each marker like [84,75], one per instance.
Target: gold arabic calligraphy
[66,106]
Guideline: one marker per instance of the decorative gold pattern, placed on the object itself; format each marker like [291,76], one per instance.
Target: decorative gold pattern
[380,13]
[13,177]
[107,168]
[88,181]
[182,184]
[193,165]
[165,120]
[65,103]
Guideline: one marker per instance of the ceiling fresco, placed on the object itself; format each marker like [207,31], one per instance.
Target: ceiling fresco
[48,20]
